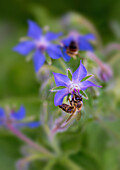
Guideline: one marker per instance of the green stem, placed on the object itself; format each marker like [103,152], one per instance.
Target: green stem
[22,162]
[67,123]
[29,141]
[71,165]
[53,141]
[51,68]
[55,145]
[62,63]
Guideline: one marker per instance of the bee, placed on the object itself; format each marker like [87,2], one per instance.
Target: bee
[76,104]
[72,49]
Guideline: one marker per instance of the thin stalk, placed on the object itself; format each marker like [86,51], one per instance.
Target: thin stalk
[53,141]
[71,165]
[51,68]
[29,141]
[98,61]
[63,124]
[62,63]
[102,65]
[22,163]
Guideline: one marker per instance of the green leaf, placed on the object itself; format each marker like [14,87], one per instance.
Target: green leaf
[55,89]
[85,160]
[68,96]
[9,151]
[84,94]
[87,77]
[48,59]
[69,74]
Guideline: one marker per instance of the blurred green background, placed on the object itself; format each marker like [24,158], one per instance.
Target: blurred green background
[96,147]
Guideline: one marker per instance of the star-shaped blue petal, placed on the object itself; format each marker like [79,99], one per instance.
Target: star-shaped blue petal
[79,74]
[40,44]
[70,85]
[15,118]
[34,31]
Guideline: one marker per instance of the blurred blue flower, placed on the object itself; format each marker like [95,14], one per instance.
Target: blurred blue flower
[82,41]
[16,119]
[68,86]
[40,43]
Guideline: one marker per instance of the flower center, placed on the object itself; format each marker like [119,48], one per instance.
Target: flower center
[73,86]
[42,43]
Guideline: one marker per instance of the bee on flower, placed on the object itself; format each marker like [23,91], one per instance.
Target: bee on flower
[76,42]
[73,85]
[68,84]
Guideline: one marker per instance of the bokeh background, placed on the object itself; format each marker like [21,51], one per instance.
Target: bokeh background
[98,146]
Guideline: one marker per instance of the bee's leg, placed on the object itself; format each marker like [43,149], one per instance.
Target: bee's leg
[67,108]
[69,101]
[72,101]
[71,115]
[73,98]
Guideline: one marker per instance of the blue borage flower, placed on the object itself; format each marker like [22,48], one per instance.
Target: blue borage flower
[40,43]
[78,82]
[16,118]
[83,42]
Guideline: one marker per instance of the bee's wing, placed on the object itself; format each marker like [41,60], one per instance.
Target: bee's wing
[67,108]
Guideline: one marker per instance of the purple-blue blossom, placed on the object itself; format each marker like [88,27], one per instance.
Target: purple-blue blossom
[40,44]
[16,118]
[70,85]
[83,42]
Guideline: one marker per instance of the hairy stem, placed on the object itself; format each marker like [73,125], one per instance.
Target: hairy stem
[71,165]
[29,141]
[63,124]
[21,163]
[62,63]
[96,59]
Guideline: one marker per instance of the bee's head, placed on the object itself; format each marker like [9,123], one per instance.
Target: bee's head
[78,97]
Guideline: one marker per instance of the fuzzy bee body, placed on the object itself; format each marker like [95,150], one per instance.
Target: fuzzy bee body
[72,49]
[75,104]
[67,108]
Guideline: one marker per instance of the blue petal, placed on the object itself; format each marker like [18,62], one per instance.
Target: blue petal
[2,112]
[89,37]
[67,41]
[79,74]
[84,45]
[1,123]
[61,80]
[85,84]
[59,96]
[34,30]
[65,56]
[20,114]
[24,47]
[50,36]
[39,60]
[33,124]
[54,51]
[28,124]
